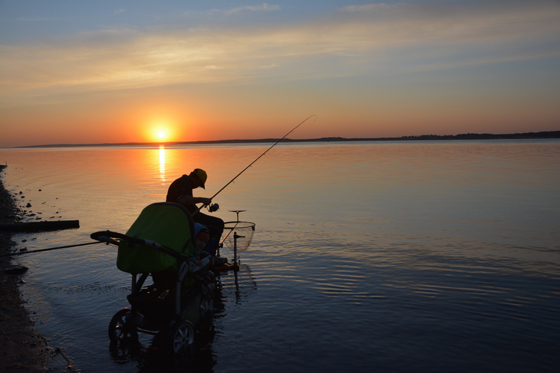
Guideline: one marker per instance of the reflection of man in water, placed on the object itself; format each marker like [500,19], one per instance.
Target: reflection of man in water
[181,191]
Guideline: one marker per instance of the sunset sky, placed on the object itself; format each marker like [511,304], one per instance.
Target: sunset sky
[80,72]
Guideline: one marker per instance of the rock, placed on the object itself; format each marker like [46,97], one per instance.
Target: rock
[16,270]
[40,226]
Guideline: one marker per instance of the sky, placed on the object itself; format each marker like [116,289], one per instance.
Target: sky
[83,72]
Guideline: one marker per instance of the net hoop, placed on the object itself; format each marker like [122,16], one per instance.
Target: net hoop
[239,225]
[245,229]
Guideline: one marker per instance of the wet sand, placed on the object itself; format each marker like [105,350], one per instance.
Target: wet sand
[22,348]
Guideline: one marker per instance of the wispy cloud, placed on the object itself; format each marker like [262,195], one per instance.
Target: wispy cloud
[227,12]
[354,40]
[264,7]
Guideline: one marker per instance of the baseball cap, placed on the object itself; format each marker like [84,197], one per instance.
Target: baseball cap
[201,174]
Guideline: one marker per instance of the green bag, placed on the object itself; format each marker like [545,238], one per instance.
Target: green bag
[168,224]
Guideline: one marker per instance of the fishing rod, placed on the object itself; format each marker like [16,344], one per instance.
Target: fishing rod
[259,157]
[52,248]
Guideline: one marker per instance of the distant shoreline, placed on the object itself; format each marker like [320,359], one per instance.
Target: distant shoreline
[466,136]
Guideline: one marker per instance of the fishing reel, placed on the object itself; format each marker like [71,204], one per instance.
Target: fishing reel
[213,207]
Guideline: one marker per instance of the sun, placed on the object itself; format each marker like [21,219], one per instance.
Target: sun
[160,133]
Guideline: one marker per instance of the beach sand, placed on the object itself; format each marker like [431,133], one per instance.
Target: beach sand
[22,348]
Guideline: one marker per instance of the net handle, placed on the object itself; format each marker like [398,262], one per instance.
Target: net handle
[230,230]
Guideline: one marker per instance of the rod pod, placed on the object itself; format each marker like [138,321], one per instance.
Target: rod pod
[235,237]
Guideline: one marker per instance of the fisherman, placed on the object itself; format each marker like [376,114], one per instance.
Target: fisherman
[181,191]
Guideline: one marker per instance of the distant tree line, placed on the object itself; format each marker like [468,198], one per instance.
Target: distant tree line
[465,136]
[488,136]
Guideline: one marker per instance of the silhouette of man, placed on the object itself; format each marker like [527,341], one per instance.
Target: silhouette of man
[181,191]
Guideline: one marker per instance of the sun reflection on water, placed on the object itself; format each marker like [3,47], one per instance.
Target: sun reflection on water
[162,163]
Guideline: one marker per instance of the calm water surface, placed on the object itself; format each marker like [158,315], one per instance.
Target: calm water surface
[390,257]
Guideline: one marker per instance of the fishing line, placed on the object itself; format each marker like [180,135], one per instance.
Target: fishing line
[52,248]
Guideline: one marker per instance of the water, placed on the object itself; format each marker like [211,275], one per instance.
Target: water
[414,256]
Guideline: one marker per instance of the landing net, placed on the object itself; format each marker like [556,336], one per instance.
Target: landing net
[242,228]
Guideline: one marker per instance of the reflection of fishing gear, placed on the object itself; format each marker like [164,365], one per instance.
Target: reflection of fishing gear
[52,248]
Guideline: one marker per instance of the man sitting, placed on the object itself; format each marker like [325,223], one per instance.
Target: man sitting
[181,191]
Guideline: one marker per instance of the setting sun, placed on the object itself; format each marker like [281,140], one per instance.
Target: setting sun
[160,133]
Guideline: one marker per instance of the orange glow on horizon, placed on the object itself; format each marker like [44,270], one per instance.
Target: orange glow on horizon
[160,132]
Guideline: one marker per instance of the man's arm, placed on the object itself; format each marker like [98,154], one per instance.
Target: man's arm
[189,200]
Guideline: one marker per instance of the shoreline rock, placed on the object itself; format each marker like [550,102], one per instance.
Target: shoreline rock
[22,348]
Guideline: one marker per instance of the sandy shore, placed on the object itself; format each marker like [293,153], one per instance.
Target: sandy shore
[22,348]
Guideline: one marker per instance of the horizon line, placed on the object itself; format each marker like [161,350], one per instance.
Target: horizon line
[465,136]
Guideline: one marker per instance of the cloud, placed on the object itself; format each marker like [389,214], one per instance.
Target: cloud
[264,7]
[118,11]
[457,22]
[353,41]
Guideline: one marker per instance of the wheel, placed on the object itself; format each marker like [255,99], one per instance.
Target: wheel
[206,313]
[181,337]
[206,308]
[207,302]
[120,330]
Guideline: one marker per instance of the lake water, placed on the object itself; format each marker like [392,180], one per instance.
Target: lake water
[388,256]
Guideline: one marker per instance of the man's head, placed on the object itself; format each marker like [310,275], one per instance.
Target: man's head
[199,177]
